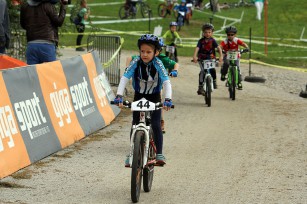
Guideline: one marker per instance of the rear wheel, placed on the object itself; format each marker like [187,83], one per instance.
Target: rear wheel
[162,10]
[208,91]
[122,12]
[148,172]
[137,166]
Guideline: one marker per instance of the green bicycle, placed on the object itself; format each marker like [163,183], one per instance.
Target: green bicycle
[233,72]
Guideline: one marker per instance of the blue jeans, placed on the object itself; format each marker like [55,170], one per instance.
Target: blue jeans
[38,53]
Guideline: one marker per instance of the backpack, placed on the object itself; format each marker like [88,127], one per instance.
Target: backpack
[77,20]
[75,17]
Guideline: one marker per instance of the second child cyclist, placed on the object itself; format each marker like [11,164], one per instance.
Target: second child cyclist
[170,37]
[148,76]
[205,50]
[231,43]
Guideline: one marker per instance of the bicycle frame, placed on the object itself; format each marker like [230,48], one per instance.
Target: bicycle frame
[141,126]
[207,71]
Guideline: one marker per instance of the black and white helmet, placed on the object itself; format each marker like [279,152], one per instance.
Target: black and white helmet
[173,23]
[150,39]
[208,26]
[231,29]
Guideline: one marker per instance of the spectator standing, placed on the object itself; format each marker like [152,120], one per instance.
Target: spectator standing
[4,26]
[84,14]
[41,22]
[259,7]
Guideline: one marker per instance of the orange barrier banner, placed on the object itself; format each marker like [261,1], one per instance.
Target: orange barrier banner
[48,106]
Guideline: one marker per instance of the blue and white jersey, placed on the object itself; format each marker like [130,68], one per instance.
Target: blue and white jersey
[147,78]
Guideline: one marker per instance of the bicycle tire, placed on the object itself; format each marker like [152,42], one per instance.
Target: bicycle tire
[148,172]
[137,166]
[145,10]
[208,91]
[122,12]
[233,82]
[162,10]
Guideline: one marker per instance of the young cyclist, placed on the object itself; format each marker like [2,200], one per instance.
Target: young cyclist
[148,76]
[205,50]
[231,43]
[183,8]
[171,66]
[170,38]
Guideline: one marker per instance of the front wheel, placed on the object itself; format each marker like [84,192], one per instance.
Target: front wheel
[148,172]
[122,12]
[208,91]
[162,10]
[232,86]
[137,166]
[145,9]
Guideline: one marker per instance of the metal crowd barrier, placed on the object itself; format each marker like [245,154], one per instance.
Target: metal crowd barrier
[109,50]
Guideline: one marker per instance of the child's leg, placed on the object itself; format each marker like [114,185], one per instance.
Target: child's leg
[156,127]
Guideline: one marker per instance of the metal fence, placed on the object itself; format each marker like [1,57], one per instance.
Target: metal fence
[109,49]
[17,45]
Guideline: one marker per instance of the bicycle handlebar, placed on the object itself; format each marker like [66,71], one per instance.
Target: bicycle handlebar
[127,104]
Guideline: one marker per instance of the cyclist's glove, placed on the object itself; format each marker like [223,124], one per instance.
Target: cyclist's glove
[168,102]
[246,50]
[174,73]
[118,99]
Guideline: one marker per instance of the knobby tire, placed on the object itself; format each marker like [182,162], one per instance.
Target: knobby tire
[233,82]
[137,166]
[208,91]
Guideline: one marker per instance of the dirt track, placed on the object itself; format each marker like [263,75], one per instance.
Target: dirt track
[251,150]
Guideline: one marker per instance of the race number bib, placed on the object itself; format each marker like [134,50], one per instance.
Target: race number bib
[209,64]
[232,55]
[170,49]
[143,105]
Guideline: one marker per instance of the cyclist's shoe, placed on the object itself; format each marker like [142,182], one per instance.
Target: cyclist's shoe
[223,78]
[240,87]
[160,160]
[162,126]
[127,161]
[214,84]
[201,90]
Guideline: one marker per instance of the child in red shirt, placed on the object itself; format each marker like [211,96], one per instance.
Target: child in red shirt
[231,43]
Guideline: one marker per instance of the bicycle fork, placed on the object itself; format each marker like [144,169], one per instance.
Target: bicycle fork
[145,129]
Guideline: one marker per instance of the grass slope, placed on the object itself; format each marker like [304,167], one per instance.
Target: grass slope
[286,20]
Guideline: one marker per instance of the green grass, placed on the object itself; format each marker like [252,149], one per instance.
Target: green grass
[286,19]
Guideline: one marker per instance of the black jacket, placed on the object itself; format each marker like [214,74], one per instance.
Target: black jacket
[42,21]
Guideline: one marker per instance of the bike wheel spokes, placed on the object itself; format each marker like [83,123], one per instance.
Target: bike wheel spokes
[137,166]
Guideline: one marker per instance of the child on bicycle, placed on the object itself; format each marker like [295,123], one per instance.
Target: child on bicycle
[231,43]
[170,37]
[205,50]
[130,6]
[171,66]
[183,8]
[148,76]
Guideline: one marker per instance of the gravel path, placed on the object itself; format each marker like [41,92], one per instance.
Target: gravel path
[251,150]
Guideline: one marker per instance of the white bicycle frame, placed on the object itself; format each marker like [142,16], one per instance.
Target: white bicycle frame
[141,126]
[208,64]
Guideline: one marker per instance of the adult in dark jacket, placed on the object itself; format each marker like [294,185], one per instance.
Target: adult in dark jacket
[41,22]
[4,26]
